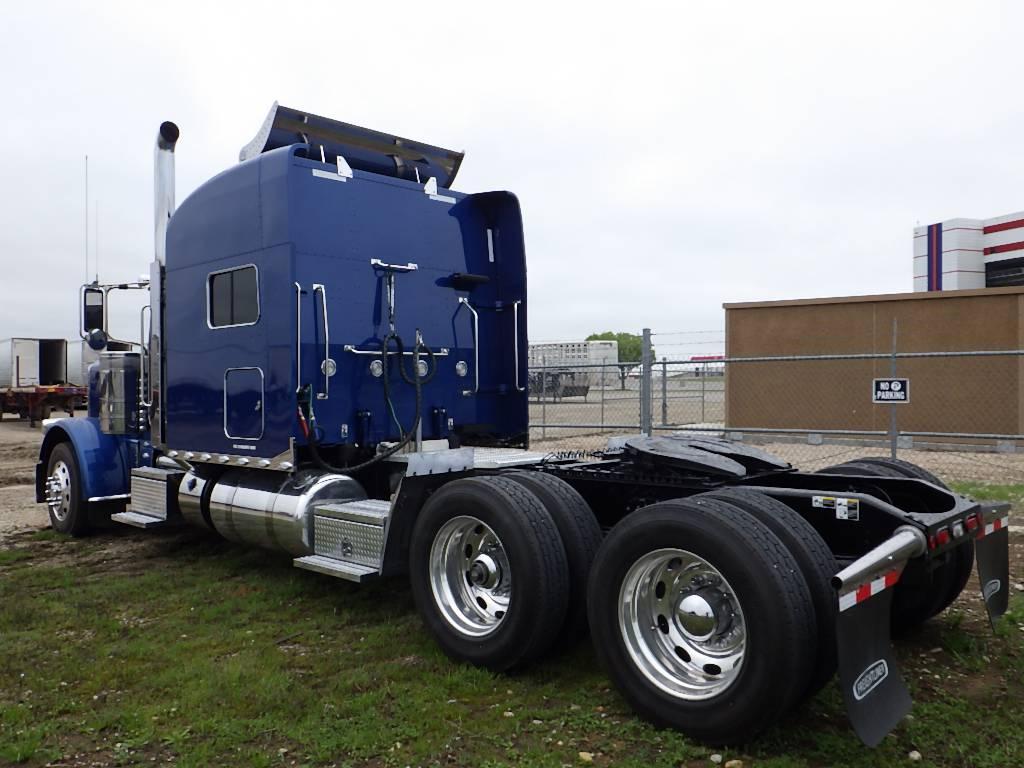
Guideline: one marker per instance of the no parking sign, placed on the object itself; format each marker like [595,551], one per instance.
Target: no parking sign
[891,391]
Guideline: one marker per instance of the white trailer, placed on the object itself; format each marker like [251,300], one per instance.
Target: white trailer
[34,378]
[33,362]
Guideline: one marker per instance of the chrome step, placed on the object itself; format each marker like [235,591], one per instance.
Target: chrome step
[337,568]
[138,520]
[155,492]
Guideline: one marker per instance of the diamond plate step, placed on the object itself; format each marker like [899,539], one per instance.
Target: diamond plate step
[332,567]
[137,520]
[366,511]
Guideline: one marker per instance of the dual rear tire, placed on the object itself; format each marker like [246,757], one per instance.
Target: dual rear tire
[712,615]
[706,620]
[499,567]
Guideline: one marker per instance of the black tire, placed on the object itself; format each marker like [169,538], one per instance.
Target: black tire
[960,562]
[816,562]
[535,558]
[581,537]
[774,601]
[920,593]
[906,468]
[71,514]
[863,467]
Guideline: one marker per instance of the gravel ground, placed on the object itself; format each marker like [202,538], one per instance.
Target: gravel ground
[19,446]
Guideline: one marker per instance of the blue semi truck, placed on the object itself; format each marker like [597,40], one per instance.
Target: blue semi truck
[332,364]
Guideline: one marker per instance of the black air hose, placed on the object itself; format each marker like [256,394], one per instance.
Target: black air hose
[417,383]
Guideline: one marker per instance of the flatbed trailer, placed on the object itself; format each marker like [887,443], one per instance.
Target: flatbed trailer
[272,401]
[37,403]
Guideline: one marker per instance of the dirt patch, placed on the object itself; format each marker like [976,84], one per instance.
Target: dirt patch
[19,511]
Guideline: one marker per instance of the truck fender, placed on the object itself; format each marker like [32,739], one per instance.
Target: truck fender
[102,461]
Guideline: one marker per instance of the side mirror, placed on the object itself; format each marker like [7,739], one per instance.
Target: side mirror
[94,312]
[97,339]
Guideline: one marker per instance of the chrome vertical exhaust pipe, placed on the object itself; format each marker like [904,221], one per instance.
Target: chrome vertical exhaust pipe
[163,185]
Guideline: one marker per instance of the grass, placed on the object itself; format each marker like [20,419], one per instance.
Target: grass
[990,491]
[148,648]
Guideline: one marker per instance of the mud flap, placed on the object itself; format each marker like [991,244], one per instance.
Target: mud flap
[874,692]
[992,555]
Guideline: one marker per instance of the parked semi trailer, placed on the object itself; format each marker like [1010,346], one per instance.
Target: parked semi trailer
[334,367]
[34,379]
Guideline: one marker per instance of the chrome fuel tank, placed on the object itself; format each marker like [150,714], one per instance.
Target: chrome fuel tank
[264,508]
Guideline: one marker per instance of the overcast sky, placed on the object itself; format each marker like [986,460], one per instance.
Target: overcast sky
[668,157]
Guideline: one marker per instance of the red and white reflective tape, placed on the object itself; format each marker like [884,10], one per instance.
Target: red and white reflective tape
[868,589]
[996,525]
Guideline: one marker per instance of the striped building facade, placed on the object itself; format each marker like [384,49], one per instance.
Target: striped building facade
[969,253]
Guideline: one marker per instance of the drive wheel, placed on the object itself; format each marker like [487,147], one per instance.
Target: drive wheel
[817,565]
[581,537]
[489,574]
[69,512]
[702,619]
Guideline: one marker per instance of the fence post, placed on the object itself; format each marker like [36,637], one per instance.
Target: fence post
[703,393]
[604,383]
[893,433]
[664,391]
[646,363]
[543,398]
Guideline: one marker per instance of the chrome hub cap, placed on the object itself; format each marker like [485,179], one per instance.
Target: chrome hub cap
[58,491]
[470,576]
[682,624]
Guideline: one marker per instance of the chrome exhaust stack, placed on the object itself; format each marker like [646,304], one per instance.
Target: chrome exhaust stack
[163,208]
[163,184]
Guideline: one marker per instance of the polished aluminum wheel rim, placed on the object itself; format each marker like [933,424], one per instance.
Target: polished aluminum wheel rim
[58,491]
[470,576]
[682,624]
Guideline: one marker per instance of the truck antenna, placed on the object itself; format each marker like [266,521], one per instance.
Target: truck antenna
[87,218]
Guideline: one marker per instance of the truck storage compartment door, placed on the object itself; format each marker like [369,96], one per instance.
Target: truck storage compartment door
[243,403]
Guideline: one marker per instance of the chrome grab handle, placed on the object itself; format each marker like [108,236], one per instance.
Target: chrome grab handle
[352,348]
[378,264]
[328,366]
[476,344]
[515,315]
[145,391]
[298,337]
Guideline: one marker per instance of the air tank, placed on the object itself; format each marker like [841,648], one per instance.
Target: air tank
[266,509]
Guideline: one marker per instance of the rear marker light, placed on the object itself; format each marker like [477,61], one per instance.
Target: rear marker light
[942,537]
[972,523]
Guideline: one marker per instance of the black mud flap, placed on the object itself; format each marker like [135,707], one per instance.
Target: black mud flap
[873,689]
[992,554]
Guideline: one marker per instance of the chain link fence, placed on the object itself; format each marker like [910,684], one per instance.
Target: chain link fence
[964,420]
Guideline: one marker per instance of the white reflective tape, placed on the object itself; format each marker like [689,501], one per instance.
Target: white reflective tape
[848,600]
[878,585]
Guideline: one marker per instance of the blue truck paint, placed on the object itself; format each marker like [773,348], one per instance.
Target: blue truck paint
[297,221]
[105,460]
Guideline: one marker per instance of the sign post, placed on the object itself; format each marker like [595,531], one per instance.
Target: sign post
[892,392]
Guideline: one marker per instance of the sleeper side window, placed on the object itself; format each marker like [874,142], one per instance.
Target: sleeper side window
[234,297]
